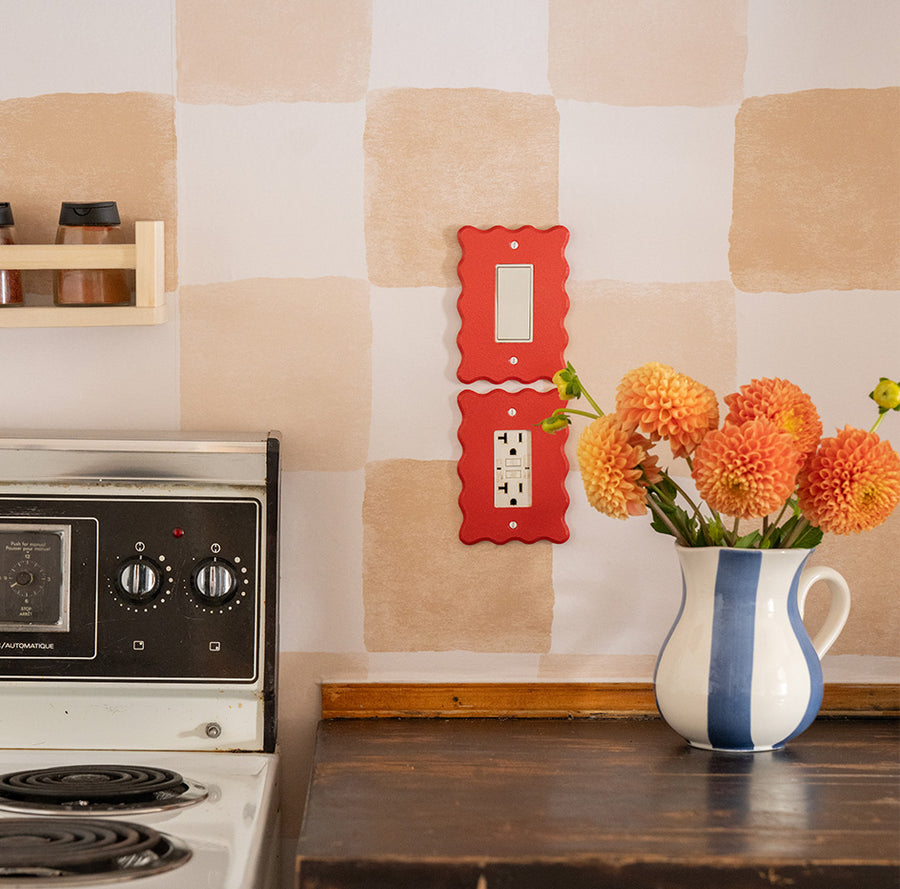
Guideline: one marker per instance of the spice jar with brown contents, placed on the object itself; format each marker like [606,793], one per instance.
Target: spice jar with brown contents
[92,223]
[10,279]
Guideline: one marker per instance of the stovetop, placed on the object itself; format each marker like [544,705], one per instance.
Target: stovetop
[229,837]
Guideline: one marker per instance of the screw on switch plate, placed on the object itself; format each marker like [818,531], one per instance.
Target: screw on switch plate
[512,468]
[512,303]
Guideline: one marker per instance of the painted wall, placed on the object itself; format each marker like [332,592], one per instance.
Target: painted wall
[730,174]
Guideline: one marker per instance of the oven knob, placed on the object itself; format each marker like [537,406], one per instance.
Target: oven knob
[214,581]
[139,579]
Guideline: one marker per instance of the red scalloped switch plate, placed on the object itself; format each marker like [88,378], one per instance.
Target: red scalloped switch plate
[513,473]
[513,303]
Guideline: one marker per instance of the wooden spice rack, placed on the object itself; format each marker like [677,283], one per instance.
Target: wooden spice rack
[146,256]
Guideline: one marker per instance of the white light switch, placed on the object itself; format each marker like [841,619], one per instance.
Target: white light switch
[514,303]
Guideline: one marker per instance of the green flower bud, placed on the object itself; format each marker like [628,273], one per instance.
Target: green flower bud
[567,383]
[886,395]
[556,421]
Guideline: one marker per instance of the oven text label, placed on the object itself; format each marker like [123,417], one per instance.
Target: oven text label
[24,645]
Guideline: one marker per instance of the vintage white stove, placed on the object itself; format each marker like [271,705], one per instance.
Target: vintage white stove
[138,661]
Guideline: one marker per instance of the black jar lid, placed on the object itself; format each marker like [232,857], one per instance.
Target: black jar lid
[6,217]
[98,213]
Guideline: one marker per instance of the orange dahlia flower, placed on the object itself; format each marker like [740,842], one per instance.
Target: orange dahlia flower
[746,470]
[852,483]
[784,403]
[665,404]
[614,460]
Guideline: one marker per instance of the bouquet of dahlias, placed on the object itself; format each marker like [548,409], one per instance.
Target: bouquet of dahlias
[768,460]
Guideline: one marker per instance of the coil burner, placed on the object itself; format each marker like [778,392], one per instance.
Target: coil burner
[97,790]
[82,851]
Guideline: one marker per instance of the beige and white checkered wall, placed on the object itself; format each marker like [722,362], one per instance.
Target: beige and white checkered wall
[729,171]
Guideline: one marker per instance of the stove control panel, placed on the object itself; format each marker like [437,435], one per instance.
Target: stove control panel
[120,588]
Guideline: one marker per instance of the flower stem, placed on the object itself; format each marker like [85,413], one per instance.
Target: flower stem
[769,529]
[802,526]
[658,512]
[694,507]
[591,401]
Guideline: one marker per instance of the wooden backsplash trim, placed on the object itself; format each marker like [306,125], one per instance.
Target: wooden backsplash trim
[374,700]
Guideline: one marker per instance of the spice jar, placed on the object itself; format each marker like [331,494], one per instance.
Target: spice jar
[92,223]
[10,279]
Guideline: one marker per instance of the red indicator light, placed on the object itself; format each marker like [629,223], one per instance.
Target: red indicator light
[178,532]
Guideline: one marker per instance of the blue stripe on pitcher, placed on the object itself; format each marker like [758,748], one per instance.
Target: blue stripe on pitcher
[731,658]
[817,685]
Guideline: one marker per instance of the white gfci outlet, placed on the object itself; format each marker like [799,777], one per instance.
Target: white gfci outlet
[512,468]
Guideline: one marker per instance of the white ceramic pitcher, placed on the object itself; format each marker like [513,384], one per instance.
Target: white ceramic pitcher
[738,670]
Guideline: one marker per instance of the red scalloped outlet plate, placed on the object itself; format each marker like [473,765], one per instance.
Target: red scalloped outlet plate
[481,356]
[482,415]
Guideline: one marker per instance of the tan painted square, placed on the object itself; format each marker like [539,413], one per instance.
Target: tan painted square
[615,326]
[89,147]
[285,354]
[440,159]
[648,52]
[424,590]
[233,52]
[817,192]
[868,564]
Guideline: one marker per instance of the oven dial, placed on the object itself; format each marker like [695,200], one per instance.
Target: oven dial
[26,577]
[139,579]
[214,581]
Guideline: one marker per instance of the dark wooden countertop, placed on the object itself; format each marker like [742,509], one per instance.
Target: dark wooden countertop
[531,804]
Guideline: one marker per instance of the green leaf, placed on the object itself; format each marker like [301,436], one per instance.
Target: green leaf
[748,541]
[716,532]
[810,538]
[777,535]
[658,525]
[686,524]
[666,492]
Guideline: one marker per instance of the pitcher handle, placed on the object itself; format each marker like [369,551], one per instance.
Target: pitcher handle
[838,608]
